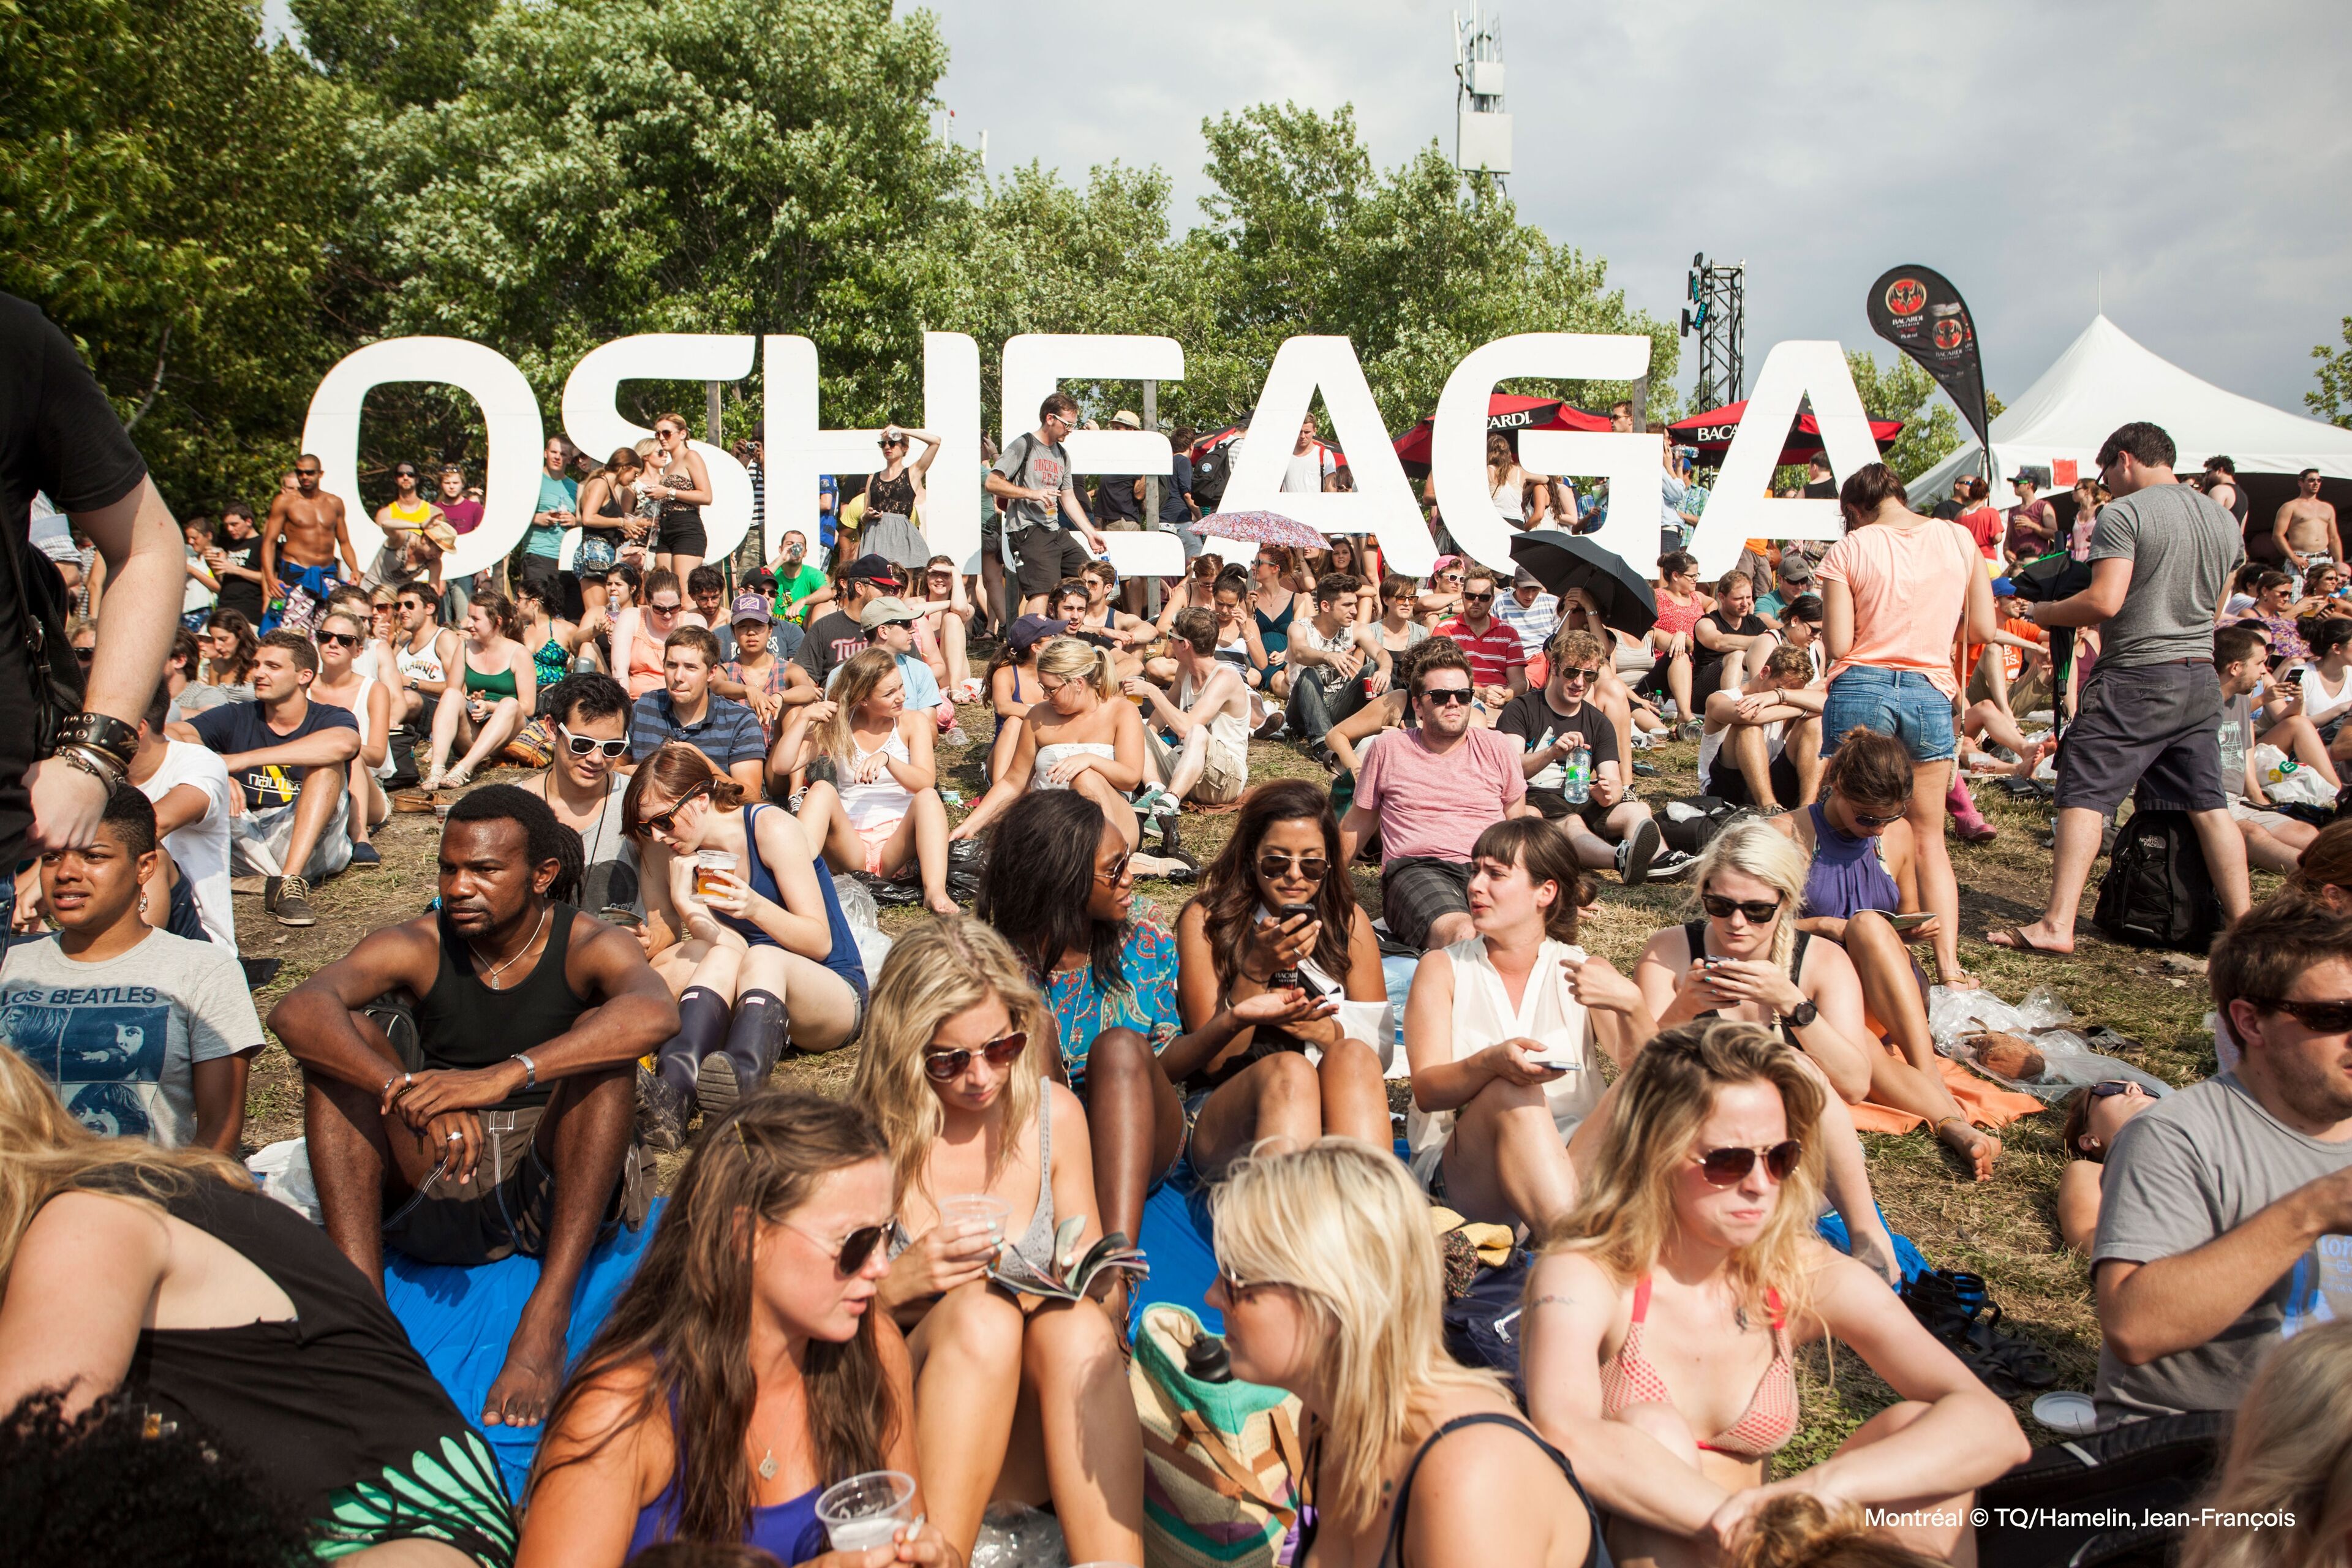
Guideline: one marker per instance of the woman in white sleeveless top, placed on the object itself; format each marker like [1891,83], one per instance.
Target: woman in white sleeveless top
[1503,1070]
[341,635]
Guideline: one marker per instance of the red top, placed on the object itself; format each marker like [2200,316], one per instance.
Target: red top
[1492,653]
[1984,526]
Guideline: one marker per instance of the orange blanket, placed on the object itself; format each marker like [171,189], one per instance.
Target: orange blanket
[1982,1102]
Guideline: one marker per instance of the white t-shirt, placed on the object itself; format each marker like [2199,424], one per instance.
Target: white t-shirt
[201,847]
[1711,743]
[2317,697]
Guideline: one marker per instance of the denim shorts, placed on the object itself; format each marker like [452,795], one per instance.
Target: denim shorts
[1899,702]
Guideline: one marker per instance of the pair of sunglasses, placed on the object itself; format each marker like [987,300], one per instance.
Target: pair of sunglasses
[945,1066]
[2319,1017]
[581,745]
[1578,672]
[1448,696]
[341,639]
[662,821]
[855,1250]
[1116,874]
[1758,912]
[1868,820]
[2112,1086]
[1272,867]
[1729,1167]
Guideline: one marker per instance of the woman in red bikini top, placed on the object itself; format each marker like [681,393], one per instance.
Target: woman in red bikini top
[1661,1319]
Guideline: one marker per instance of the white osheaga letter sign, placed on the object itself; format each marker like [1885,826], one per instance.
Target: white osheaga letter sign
[331,431]
[1381,504]
[1630,461]
[597,428]
[1037,362]
[799,450]
[1742,505]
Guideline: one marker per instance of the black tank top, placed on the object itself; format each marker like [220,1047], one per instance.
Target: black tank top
[890,495]
[1596,1551]
[333,1407]
[1695,933]
[462,1023]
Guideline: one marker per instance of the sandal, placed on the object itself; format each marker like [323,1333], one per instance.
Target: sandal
[2021,1359]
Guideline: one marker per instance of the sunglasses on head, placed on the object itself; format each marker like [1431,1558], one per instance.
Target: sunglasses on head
[1273,866]
[1446,696]
[662,821]
[2319,1017]
[1729,1167]
[1758,912]
[340,639]
[855,1248]
[581,745]
[944,1067]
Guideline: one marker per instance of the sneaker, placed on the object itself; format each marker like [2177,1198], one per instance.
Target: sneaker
[663,1110]
[290,901]
[1671,864]
[364,856]
[1635,855]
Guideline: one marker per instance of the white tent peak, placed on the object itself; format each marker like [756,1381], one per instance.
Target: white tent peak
[2106,378]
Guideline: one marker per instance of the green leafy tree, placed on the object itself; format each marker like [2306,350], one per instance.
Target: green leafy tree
[1902,391]
[401,51]
[164,196]
[2333,401]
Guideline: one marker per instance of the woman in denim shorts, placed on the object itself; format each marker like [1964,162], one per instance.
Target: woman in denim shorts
[1895,593]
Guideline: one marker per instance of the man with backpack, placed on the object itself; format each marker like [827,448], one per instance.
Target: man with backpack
[2161,557]
[1042,516]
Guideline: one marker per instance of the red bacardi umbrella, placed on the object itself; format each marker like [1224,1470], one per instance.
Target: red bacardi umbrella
[1506,412]
[1711,433]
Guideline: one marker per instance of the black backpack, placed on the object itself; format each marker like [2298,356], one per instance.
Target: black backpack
[1211,470]
[2156,891]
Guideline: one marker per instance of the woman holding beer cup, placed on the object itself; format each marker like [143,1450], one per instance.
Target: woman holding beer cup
[764,946]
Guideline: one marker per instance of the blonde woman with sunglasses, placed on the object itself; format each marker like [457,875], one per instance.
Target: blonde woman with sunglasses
[1662,1319]
[341,637]
[1014,1398]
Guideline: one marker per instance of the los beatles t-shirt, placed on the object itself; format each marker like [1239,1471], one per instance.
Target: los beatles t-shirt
[121,1037]
[239,727]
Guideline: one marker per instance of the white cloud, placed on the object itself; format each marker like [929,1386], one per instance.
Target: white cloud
[2190,153]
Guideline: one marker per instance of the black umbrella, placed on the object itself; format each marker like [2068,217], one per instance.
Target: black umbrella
[1562,561]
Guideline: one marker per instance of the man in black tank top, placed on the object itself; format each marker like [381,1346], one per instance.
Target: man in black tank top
[469,1078]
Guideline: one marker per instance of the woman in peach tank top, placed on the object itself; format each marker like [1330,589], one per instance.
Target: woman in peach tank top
[1662,1318]
[1895,594]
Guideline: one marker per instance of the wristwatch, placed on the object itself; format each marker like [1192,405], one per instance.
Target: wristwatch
[1802,1014]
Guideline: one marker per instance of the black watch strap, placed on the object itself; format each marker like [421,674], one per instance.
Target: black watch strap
[1802,1014]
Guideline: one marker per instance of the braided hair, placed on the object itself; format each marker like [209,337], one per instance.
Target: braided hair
[544,837]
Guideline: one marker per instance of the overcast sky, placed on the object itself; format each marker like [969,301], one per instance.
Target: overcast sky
[2195,153]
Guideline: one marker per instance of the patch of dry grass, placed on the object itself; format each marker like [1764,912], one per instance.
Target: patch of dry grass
[2004,1229]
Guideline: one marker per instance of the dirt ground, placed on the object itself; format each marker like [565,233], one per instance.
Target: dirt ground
[2004,1229]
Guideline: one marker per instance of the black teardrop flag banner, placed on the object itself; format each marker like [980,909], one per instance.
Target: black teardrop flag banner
[1918,309]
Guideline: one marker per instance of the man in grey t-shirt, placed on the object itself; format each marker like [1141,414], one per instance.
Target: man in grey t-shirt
[2161,557]
[1042,516]
[2225,1216]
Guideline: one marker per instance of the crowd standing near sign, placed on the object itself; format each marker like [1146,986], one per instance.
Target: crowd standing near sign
[853,1326]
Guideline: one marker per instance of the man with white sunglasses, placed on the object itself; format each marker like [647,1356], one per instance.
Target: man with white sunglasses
[584,785]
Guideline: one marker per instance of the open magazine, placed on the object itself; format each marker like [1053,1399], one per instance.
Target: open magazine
[1073,1277]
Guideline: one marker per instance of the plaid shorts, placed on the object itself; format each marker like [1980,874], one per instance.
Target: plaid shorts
[1415,889]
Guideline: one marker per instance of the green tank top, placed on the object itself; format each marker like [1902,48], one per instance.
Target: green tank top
[493,687]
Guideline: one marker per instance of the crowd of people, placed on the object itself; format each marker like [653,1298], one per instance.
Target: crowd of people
[624,945]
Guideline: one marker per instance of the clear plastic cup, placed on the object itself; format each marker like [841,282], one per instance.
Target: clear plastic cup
[708,866]
[867,1510]
[961,1206]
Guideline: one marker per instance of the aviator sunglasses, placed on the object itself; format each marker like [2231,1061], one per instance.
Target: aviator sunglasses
[1729,1167]
[945,1066]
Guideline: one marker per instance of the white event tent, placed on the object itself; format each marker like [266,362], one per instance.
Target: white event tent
[2104,379]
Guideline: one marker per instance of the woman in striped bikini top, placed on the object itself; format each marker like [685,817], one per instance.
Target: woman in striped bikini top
[1661,1321]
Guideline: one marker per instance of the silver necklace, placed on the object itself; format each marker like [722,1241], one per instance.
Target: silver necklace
[490,975]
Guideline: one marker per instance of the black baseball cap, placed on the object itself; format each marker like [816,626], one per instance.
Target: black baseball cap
[873,569]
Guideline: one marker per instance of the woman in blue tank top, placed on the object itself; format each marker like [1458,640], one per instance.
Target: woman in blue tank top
[761,951]
[744,1369]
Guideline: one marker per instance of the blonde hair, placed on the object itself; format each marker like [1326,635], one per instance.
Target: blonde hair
[1342,1223]
[934,973]
[1797,1530]
[2289,1454]
[44,1151]
[1627,1212]
[1754,849]
[856,686]
[1067,658]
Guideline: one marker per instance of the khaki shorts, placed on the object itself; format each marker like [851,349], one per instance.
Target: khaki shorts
[1222,779]
[504,1209]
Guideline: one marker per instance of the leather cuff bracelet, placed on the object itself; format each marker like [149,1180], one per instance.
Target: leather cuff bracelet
[102,733]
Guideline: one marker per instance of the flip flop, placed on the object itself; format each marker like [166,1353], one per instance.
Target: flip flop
[2020,942]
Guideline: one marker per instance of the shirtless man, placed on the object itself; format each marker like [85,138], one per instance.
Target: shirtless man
[2305,528]
[310,523]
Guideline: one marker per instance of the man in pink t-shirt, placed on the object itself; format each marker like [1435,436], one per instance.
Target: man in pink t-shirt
[1498,662]
[1429,790]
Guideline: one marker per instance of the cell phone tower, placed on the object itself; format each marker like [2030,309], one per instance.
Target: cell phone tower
[1482,129]
[1718,310]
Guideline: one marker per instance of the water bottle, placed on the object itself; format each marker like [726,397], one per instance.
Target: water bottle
[1576,776]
